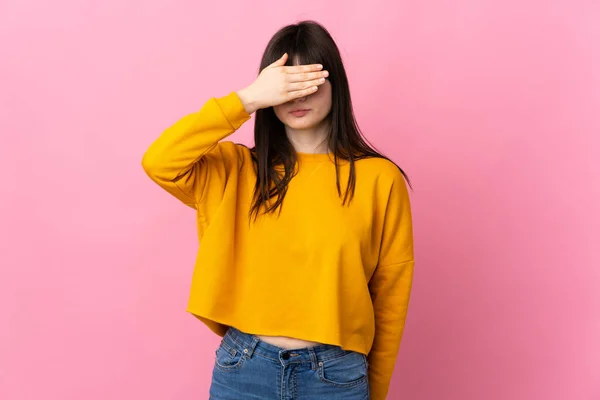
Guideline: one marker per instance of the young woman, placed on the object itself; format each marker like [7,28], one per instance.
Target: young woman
[305,260]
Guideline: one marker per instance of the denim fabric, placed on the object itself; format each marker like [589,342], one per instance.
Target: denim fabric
[249,368]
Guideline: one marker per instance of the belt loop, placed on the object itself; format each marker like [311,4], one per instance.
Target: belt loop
[246,341]
[313,358]
[252,345]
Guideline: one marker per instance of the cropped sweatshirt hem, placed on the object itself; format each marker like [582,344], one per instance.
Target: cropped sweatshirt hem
[219,326]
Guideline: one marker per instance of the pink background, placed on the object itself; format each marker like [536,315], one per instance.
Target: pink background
[492,107]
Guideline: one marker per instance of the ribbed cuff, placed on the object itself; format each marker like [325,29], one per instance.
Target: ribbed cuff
[233,109]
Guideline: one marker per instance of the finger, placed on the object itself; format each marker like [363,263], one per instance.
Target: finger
[281,61]
[307,76]
[295,86]
[298,69]
[303,92]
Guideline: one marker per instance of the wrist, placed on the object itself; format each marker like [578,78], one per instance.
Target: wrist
[247,99]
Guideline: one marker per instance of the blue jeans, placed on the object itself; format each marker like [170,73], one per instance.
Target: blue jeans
[249,368]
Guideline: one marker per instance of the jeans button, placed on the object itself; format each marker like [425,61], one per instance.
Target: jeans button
[285,356]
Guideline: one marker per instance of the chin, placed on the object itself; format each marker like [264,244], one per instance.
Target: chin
[294,124]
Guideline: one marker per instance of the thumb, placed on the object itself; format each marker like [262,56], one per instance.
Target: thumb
[280,62]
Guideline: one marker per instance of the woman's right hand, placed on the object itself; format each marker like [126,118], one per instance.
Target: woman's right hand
[278,84]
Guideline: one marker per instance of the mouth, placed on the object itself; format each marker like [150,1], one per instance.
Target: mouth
[299,112]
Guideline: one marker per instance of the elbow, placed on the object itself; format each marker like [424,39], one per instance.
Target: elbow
[150,165]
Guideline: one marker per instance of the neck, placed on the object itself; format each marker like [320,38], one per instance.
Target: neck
[312,140]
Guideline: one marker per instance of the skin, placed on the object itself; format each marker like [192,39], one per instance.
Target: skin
[288,88]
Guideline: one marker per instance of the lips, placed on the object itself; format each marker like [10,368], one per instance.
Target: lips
[299,112]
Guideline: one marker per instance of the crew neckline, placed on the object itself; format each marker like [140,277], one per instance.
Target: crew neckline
[304,157]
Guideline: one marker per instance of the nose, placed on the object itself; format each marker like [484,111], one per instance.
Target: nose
[299,99]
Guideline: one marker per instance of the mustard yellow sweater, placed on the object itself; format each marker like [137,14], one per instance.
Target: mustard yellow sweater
[319,271]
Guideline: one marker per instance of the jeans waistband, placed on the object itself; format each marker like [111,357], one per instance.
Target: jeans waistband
[251,344]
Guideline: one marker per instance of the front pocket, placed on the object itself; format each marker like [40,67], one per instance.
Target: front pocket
[228,358]
[347,370]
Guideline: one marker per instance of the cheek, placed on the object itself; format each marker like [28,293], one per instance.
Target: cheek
[323,104]
[323,97]
[279,112]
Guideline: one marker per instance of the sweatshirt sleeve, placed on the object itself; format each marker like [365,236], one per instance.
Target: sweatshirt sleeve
[178,160]
[390,287]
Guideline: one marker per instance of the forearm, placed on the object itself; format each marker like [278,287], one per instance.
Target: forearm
[391,294]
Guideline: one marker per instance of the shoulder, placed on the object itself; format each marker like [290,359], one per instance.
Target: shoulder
[228,154]
[381,169]
[230,147]
[231,150]
[384,177]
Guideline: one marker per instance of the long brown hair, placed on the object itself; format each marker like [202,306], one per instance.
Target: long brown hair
[309,43]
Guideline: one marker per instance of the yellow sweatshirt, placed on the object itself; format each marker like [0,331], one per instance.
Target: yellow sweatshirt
[318,271]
